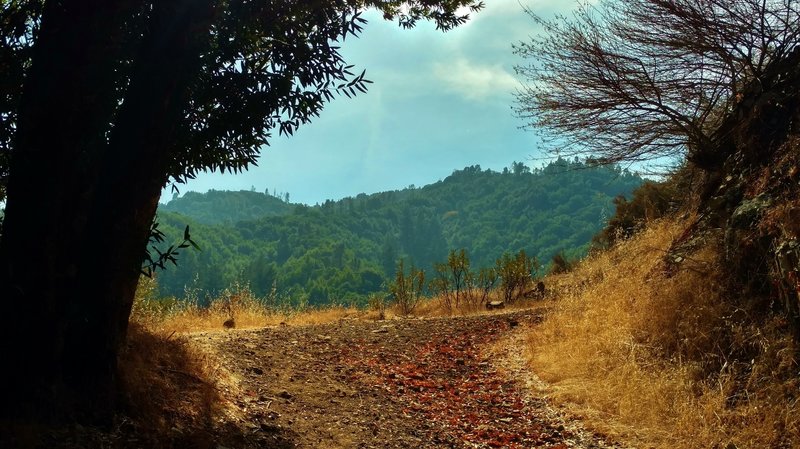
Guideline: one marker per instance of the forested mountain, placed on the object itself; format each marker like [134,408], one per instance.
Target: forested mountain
[343,250]
[216,206]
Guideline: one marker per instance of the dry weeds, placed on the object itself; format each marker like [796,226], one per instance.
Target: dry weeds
[666,361]
[236,307]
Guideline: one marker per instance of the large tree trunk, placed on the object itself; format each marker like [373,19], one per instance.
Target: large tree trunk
[81,199]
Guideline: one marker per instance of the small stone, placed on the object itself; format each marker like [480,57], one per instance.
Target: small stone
[285,395]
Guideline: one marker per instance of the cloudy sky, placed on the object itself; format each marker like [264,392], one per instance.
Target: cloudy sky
[439,102]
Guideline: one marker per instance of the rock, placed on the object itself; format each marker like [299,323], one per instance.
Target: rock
[495,305]
[285,395]
[323,339]
[255,370]
[748,211]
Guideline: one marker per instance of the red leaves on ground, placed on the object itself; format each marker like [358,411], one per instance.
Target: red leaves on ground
[447,380]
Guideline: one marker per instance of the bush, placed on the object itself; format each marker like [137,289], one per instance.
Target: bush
[515,273]
[650,201]
[377,303]
[407,288]
[561,264]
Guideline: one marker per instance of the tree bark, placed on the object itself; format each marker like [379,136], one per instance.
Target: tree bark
[82,195]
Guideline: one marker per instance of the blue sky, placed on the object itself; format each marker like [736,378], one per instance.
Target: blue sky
[438,102]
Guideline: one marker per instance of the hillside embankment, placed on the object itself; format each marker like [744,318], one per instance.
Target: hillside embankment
[655,347]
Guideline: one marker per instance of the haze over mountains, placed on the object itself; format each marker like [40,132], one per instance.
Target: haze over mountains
[343,251]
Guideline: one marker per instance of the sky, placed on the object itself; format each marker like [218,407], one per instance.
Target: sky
[438,102]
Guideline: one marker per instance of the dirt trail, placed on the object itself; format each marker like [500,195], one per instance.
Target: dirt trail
[409,383]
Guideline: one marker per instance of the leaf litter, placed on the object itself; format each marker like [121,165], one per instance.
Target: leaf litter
[451,382]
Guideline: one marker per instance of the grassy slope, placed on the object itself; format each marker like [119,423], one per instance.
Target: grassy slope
[667,358]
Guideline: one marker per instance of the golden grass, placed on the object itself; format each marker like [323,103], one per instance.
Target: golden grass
[666,361]
[436,306]
[171,387]
[234,308]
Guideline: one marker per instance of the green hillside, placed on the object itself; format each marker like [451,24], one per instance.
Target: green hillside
[215,206]
[343,250]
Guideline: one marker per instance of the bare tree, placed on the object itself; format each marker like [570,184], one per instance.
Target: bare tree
[638,80]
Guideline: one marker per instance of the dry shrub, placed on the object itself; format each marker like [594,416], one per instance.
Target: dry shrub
[667,361]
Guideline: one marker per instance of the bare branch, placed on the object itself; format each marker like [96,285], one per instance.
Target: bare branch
[645,79]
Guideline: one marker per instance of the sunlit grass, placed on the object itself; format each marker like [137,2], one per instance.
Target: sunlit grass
[236,307]
[436,306]
[667,361]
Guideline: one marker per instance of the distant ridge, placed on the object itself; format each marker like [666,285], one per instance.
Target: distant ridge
[222,206]
[347,249]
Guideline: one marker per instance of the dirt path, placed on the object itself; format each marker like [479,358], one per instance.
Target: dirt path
[415,383]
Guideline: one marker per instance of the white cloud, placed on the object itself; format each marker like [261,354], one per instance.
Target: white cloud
[474,81]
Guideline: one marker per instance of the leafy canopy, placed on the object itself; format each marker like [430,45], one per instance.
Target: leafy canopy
[266,65]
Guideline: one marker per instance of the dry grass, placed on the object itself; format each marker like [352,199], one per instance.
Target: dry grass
[667,361]
[437,306]
[171,387]
[236,307]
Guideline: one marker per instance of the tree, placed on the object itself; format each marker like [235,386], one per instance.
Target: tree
[519,168]
[515,273]
[103,103]
[642,79]
[407,288]
[458,262]
[713,81]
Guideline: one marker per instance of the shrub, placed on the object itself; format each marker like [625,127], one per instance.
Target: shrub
[407,288]
[561,264]
[650,201]
[515,273]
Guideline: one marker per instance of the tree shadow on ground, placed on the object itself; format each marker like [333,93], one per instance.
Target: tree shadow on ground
[172,395]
